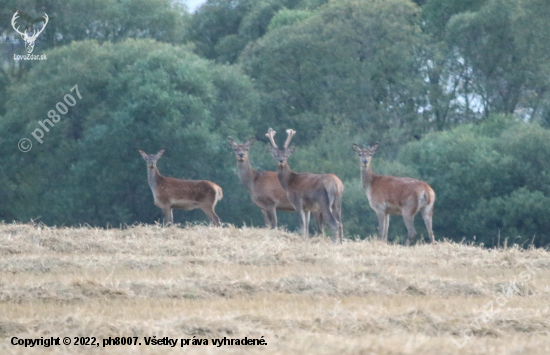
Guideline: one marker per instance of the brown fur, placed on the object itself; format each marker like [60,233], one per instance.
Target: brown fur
[268,190]
[265,189]
[308,192]
[170,193]
[396,195]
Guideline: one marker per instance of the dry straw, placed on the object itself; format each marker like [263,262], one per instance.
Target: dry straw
[303,296]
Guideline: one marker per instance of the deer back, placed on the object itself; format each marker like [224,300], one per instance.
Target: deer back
[311,186]
[268,190]
[174,191]
[396,192]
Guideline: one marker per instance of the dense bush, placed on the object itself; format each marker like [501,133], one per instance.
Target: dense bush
[139,94]
[488,178]
[428,79]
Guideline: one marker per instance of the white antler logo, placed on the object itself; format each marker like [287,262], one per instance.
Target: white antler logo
[29,40]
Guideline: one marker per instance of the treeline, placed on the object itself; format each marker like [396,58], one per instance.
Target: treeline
[455,91]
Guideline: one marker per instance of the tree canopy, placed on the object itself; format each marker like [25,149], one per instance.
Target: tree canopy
[136,94]
[455,91]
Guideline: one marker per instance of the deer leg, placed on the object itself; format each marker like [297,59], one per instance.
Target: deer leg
[218,221]
[168,215]
[298,206]
[333,223]
[427,216]
[386,227]
[303,225]
[337,211]
[212,216]
[308,217]
[272,216]
[318,216]
[409,223]
[335,226]
[266,218]
[381,224]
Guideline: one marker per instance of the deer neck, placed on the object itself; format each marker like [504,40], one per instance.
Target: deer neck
[153,177]
[366,176]
[246,173]
[284,173]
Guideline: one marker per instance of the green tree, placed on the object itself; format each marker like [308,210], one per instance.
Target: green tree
[287,17]
[448,77]
[353,60]
[437,13]
[137,94]
[75,20]
[221,29]
[487,178]
[103,20]
[505,46]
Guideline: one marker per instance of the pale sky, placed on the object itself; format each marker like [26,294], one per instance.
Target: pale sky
[194,4]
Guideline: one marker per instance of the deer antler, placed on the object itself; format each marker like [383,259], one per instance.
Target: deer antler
[290,134]
[270,133]
[13,19]
[43,27]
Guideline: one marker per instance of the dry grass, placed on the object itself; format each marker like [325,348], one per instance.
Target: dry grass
[303,296]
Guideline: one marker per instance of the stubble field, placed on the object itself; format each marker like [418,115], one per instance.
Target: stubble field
[301,296]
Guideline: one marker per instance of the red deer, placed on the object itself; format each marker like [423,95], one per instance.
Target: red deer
[396,195]
[309,192]
[172,193]
[265,189]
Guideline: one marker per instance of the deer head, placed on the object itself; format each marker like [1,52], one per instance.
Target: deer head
[151,159]
[241,150]
[29,40]
[281,155]
[365,154]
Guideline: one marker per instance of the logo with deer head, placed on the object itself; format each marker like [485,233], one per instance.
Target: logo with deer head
[29,39]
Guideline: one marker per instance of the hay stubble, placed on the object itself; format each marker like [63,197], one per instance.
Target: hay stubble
[303,296]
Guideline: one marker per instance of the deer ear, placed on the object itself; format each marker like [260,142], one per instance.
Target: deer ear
[374,148]
[272,149]
[231,141]
[356,148]
[289,150]
[250,142]
[143,154]
[159,154]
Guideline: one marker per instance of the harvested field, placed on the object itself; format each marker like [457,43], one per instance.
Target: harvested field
[302,296]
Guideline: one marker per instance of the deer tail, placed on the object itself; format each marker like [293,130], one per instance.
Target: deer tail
[334,191]
[219,193]
[427,198]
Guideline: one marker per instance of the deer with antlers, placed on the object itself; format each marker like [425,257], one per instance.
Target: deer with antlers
[265,189]
[170,193]
[309,192]
[29,40]
[396,195]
